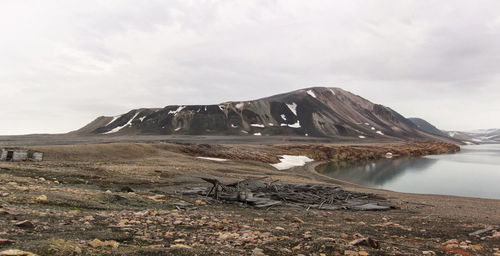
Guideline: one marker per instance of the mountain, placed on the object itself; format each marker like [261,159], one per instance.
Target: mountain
[477,136]
[317,111]
[427,127]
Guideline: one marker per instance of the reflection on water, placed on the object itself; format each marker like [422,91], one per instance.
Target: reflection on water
[473,172]
[374,173]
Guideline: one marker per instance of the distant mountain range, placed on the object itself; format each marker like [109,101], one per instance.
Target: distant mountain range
[477,136]
[317,111]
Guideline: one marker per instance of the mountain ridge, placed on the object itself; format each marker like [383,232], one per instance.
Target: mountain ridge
[313,111]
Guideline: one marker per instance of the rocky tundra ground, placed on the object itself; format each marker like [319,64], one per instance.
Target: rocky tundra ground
[126,199]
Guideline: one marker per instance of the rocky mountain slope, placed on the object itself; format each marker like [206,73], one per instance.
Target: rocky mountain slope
[427,127]
[317,111]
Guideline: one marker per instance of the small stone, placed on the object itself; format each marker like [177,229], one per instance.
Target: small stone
[286,250]
[279,228]
[4,194]
[363,253]
[451,241]
[260,220]
[126,189]
[476,247]
[350,253]
[25,224]
[180,246]
[297,220]
[366,241]
[15,252]
[95,243]
[98,243]
[428,253]
[258,252]
[158,197]
[42,198]
[108,191]
[200,202]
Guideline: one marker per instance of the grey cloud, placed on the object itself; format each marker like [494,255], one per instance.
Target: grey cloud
[65,63]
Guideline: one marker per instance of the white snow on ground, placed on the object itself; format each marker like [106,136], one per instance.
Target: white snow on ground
[270,124]
[373,128]
[293,107]
[306,134]
[178,129]
[114,119]
[243,131]
[367,124]
[179,109]
[388,155]
[288,161]
[379,132]
[468,143]
[142,118]
[310,92]
[240,105]
[332,91]
[213,159]
[123,126]
[257,125]
[295,125]
[283,117]
[362,137]
[257,134]
[234,126]
[452,134]
[222,107]
[284,124]
[205,108]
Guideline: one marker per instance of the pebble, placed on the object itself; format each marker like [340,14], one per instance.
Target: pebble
[15,252]
[42,198]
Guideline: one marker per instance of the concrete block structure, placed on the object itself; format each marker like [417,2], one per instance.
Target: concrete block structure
[17,154]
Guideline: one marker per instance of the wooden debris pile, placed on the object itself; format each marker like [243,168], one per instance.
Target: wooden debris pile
[256,192]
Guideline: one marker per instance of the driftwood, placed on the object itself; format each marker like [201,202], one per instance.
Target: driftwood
[256,192]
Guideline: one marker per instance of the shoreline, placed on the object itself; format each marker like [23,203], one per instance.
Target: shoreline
[470,208]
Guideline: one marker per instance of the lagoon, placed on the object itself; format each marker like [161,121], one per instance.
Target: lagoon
[472,172]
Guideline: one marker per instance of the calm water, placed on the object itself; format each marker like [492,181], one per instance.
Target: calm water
[473,172]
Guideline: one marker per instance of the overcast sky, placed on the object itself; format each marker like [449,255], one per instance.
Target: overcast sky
[64,63]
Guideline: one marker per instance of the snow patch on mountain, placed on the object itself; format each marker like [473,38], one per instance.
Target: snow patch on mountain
[114,119]
[257,125]
[293,107]
[311,93]
[175,112]
[129,123]
[295,125]
[240,105]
